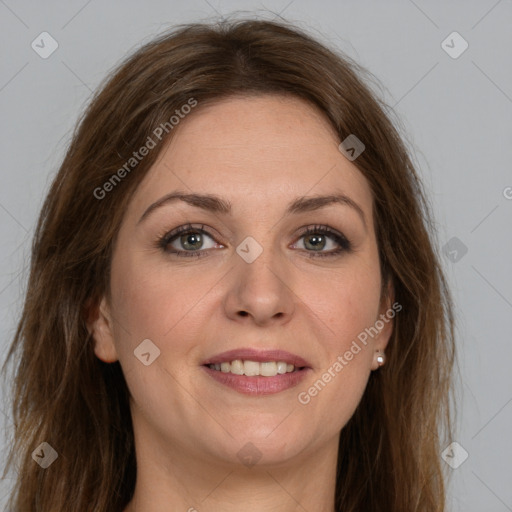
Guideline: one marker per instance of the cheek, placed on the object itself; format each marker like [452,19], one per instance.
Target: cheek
[153,300]
[345,307]
[346,303]
[156,303]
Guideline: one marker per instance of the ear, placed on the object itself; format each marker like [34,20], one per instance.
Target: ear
[100,326]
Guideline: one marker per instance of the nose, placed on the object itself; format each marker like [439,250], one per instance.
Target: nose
[261,291]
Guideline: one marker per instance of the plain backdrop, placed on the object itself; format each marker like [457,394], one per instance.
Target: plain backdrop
[455,108]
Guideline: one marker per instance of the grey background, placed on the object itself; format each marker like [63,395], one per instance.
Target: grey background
[455,114]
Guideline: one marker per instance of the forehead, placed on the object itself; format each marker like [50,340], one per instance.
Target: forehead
[257,151]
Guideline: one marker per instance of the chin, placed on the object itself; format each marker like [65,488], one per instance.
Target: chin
[262,445]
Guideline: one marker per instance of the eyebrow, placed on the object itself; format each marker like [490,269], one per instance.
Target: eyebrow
[216,204]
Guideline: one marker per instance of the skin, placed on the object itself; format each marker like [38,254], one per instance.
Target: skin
[260,153]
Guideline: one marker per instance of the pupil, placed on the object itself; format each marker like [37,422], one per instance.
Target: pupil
[317,241]
[188,237]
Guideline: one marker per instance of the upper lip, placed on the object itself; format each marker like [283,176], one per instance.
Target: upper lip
[260,356]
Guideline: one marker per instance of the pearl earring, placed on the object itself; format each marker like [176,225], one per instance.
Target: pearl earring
[381,359]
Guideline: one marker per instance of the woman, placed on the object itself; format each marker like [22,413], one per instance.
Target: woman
[234,300]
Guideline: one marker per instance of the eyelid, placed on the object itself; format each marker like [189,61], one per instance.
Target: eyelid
[184,229]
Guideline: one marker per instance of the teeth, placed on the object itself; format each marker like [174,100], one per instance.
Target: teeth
[237,367]
[268,369]
[281,367]
[253,368]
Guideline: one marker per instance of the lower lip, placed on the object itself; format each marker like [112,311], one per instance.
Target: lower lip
[258,385]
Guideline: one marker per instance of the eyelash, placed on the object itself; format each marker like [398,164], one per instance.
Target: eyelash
[164,240]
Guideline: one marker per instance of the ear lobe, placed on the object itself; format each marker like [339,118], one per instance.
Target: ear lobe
[99,325]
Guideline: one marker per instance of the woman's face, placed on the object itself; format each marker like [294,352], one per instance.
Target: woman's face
[250,279]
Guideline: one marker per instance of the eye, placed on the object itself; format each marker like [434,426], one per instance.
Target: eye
[315,238]
[188,238]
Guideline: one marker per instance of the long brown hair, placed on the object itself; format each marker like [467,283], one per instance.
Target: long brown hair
[389,452]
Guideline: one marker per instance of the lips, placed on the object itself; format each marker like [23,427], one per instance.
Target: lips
[257,372]
[260,356]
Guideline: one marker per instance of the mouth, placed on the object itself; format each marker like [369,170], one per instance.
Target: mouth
[256,372]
